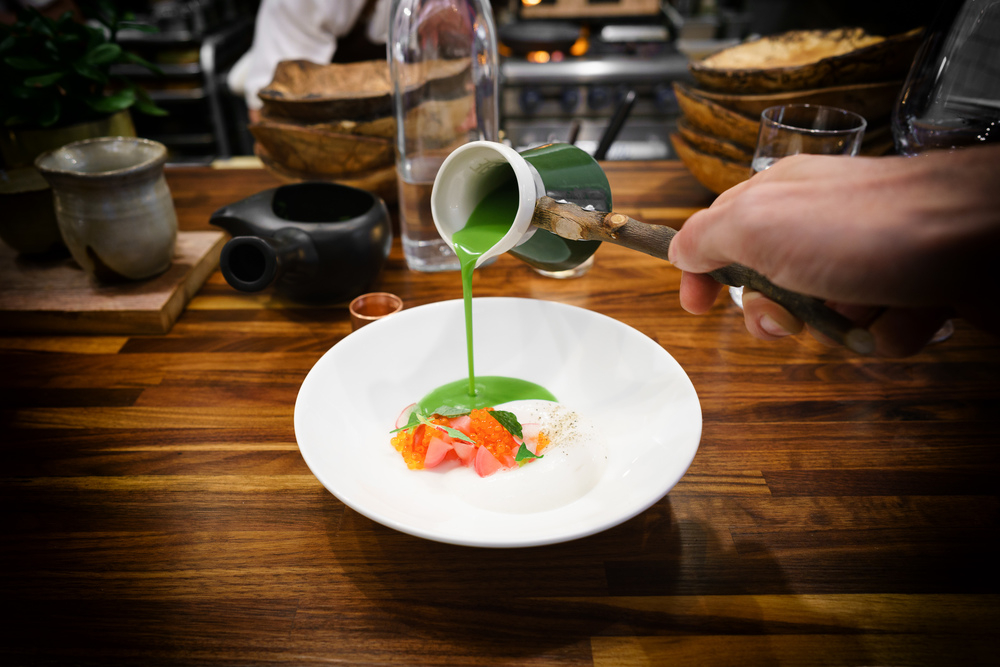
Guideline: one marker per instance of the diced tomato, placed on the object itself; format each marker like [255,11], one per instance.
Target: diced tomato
[486,464]
[462,423]
[437,449]
[466,451]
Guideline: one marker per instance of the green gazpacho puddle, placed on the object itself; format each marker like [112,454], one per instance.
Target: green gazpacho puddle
[488,223]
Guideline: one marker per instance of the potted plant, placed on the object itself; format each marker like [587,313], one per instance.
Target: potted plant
[57,86]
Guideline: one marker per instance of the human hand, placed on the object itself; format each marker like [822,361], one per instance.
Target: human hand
[897,244]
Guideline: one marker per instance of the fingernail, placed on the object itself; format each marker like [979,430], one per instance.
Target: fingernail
[768,324]
[671,253]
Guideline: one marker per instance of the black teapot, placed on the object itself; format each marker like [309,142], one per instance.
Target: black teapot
[317,242]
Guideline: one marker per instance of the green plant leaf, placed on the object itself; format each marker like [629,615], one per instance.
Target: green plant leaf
[101,11]
[103,54]
[56,71]
[123,99]
[25,63]
[49,113]
[509,421]
[43,80]
[13,121]
[65,39]
[64,20]
[146,105]
[524,454]
[42,25]
[22,93]
[130,57]
[141,27]
[88,71]
[95,37]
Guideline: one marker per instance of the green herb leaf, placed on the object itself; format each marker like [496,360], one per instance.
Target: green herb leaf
[454,433]
[524,454]
[449,411]
[414,420]
[509,421]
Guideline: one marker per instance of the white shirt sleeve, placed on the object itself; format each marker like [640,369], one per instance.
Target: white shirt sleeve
[291,30]
[378,24]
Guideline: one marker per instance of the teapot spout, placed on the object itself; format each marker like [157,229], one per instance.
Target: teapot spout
[251,263]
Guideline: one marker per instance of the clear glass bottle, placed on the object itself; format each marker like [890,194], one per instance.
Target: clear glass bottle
[444,68]
[951,97]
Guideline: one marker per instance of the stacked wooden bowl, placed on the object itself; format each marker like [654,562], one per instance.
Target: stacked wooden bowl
[844,68]
[336,122]
[331,123]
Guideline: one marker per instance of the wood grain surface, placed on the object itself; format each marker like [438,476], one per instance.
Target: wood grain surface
[841,510]
[54,295]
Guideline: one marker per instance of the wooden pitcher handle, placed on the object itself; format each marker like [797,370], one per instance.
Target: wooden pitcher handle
[574,223]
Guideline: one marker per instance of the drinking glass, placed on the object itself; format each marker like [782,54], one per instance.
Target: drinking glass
[790,129]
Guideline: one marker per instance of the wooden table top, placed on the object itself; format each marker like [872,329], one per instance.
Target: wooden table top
[156,509]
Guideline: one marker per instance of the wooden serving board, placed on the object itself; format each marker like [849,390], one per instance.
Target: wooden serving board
[57,296]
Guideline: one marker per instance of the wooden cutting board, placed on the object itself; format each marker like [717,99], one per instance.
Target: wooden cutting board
[57,296]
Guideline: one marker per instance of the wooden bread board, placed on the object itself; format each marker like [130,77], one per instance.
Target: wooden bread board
[57,296]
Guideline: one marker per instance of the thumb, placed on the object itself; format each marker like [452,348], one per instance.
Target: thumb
[691,249]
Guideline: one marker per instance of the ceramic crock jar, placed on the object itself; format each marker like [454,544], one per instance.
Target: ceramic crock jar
[29,222]
[113,205]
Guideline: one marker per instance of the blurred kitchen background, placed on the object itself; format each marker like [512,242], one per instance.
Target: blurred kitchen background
[598,72]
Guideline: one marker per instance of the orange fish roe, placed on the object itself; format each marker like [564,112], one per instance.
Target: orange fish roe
[403,442]
[487,432]
[412,444]
[423,446]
